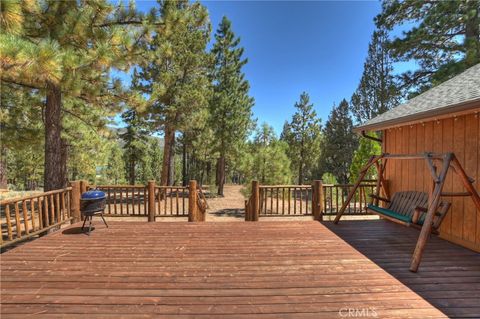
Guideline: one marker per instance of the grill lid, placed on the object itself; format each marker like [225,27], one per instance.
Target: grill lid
[95,194]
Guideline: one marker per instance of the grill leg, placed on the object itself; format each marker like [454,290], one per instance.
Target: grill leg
[90,225]
[84,220]
[101,215]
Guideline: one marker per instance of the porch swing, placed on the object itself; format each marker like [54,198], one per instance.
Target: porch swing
[411,208]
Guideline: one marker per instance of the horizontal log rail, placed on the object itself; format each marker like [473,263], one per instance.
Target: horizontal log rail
[25,217]
[285,186]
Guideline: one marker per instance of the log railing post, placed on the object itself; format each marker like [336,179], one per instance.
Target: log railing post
[151,201]
[247,213]
[83,186]
[317,197]
[255,201]
[75,201]
[192,201]
[83,189]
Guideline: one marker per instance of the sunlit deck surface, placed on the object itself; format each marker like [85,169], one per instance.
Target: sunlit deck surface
[271,269]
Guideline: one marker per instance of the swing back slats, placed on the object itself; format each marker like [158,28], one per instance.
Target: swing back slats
[403,205]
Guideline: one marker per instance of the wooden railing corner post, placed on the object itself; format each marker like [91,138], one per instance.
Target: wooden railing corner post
[75,202]
[255,201]
[192,202]
[317,198]
[151,201]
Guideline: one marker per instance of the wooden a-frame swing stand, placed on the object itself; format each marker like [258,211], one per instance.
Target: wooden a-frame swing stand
[447,161]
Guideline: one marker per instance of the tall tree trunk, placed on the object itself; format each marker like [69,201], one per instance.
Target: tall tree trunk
[64,161]
[131,170]
[169,132]
[300,173]
[55,165]
[209,171]
[3,168]
[171,171]
[472,34]
[221,173]
[184,164]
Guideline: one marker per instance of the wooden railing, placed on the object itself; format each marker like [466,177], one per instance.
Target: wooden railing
[286,200]
[124,200]
[317,199]
[138,200]
[23,218]
[171,200]
[336,194]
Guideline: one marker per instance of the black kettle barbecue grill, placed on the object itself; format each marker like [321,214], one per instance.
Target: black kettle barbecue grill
[92,203]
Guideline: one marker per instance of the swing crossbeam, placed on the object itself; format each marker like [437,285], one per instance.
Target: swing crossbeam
[428,218]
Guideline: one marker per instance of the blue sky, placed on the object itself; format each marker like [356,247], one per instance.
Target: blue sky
[313,46]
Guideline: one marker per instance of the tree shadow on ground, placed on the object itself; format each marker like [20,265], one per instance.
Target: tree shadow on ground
[77,230]
[232,212]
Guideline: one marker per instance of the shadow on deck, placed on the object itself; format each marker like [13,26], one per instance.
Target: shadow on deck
[271,269]
[449,275]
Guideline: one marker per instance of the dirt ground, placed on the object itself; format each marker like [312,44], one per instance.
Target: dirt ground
[231,207]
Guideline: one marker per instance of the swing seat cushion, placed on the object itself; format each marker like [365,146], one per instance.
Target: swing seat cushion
[390,213]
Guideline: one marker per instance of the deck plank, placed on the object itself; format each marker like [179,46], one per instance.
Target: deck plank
[274,269]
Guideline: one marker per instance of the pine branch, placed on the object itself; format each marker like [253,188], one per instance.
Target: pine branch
[94,129]
[19,83]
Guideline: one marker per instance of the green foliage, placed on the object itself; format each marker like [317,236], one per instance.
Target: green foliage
[63,51]
[365,150]
[115,167]
[267,159]
[444,39]
[329,178]
[303,136]
[340,143]
[377,91]
[134,143]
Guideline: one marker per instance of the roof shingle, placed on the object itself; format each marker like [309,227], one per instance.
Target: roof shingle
[459,90]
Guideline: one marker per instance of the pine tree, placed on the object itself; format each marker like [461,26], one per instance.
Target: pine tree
[444,39]
[21,132]
[366,148]
[269,162]
[176,73]
[135,139]
[64,49]
[377,91]
[302,135]
[231,106]
[115,167]
[340,143]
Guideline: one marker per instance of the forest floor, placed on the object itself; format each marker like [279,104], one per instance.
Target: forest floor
[230,207]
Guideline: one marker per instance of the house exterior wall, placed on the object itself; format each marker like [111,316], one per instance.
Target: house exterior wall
[458,134]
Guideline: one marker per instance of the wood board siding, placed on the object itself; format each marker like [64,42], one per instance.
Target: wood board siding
[458,134]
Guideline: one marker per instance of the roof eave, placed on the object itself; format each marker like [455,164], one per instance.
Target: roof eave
[460,107]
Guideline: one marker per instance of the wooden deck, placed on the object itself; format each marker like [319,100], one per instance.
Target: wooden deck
[267,269]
